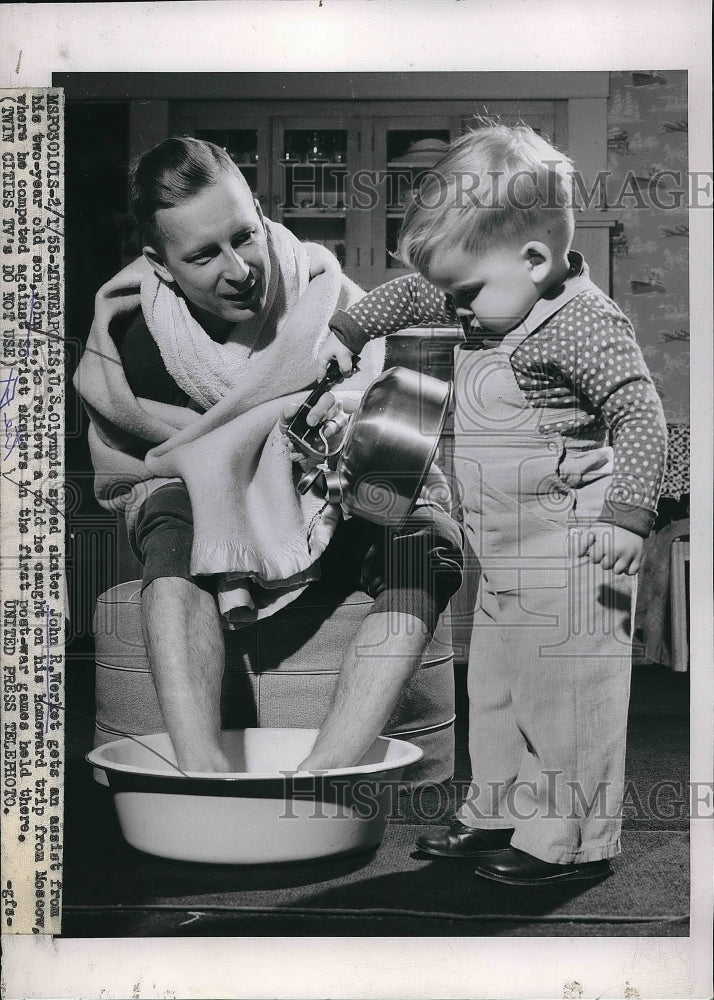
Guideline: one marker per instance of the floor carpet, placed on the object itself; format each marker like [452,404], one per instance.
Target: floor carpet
[648,892]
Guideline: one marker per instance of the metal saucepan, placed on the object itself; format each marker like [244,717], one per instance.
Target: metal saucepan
[379,469]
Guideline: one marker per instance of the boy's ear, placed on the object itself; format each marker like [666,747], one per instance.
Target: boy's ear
[157,262]
[540,261]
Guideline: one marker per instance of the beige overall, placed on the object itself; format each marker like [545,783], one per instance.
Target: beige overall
[549,662]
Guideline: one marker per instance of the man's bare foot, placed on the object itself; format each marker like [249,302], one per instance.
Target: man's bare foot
[325,761]
[204,760]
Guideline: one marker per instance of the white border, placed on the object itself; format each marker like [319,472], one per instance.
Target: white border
[403,35]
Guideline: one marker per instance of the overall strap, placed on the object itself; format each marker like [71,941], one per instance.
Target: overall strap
[550,305]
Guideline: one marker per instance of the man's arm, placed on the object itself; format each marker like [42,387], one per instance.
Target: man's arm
[144,367]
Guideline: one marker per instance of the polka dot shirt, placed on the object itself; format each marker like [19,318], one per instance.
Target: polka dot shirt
[589,346]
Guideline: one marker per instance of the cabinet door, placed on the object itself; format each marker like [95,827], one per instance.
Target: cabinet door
[314,162]
[547,118]
[246,137]
[405,148]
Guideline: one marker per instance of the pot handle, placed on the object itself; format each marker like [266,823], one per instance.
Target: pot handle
[307,479]
[304,437]
[330,483]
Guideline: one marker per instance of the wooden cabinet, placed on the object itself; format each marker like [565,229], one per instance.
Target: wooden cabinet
[249,147]
[404,148]
[341,173]
[314,159]
[382,115]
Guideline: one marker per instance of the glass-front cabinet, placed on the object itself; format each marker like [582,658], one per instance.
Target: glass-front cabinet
[249,148]
[313,160]
[404,150]
[342,173]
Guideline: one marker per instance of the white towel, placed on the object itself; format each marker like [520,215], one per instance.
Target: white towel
[249,521]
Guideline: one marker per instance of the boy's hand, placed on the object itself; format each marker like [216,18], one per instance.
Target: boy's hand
[558,396]
[334,348]
[329,413]
[609,546]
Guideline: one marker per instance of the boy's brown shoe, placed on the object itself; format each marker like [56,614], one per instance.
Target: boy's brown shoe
[514,867]
[461,841]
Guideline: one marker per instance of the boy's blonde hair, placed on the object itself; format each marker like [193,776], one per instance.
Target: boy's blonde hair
[495,186]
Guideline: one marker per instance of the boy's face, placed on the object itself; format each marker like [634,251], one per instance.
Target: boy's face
[498,287]
[214,246]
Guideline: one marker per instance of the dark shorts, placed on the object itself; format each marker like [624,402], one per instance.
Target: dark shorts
[414,569]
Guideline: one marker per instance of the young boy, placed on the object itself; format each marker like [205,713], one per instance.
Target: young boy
[559,489]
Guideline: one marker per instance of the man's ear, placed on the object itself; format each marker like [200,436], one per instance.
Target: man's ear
[157,262]
[539,259]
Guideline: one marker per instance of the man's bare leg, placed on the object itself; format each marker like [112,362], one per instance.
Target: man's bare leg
[379,661]
[184,640]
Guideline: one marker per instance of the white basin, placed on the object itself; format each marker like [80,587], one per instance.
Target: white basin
[264,810]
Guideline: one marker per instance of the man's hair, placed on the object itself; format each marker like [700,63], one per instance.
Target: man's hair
[494,186]
[170,173]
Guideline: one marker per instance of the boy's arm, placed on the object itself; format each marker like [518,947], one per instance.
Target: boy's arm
[639,439]
[407,301]
[608,368]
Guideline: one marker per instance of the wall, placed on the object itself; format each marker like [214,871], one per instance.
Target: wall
[647,132]
[96,164]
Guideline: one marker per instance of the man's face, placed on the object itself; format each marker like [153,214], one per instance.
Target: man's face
[214,247]
[497,288]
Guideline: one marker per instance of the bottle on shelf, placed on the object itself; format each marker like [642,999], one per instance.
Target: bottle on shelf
[316,152]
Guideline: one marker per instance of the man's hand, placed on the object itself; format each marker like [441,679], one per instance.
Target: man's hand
[334,348]
[329,413]
[609,546]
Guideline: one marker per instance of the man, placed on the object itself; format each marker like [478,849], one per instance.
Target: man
[185,436]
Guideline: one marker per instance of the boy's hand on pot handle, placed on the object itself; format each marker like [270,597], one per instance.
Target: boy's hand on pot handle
[329,413]
[334,348]
[609,546]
